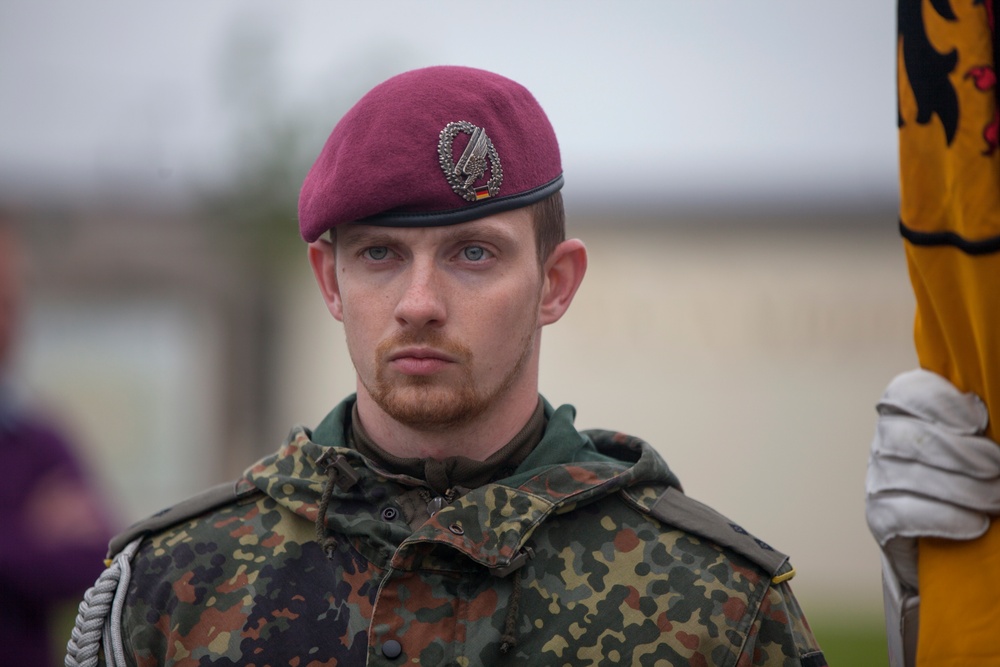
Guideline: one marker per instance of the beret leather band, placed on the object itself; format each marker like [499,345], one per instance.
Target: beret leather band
[430,147]
[468,213]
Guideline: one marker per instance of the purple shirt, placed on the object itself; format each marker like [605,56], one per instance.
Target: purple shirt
[43,562]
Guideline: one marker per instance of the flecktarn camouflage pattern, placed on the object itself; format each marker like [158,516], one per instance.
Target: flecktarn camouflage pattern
[563,563]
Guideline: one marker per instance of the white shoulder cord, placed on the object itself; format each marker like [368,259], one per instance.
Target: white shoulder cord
[106,595]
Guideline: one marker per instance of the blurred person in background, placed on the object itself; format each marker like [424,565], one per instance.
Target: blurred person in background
[54,526]
[446,513]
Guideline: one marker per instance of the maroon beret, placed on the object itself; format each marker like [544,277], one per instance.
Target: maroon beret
[434,146]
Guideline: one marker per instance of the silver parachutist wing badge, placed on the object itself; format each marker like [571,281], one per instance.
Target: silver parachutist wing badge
[471,166]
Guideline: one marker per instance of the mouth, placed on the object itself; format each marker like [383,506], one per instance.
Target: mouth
[421,353]
[419,360]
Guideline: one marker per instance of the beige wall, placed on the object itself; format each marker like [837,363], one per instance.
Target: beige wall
[752,361]
[750,356]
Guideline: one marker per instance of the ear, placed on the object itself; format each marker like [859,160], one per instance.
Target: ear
[323,259]
[562,274]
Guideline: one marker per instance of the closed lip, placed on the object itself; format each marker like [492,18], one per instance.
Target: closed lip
[421,353]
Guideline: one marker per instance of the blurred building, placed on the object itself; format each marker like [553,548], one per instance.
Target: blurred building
[749,350]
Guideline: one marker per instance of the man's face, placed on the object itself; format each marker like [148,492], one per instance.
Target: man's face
[442,322]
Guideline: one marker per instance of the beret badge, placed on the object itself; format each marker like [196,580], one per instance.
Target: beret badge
[471,166]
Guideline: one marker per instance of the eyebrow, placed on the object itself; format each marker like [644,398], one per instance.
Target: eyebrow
[450,235]
[367,239]
[488,232]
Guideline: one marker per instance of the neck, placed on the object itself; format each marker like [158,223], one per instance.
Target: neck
[477,440]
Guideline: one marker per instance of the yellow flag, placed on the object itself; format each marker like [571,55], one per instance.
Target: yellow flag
[950,222]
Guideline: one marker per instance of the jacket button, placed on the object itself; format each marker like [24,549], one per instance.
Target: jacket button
[392,649]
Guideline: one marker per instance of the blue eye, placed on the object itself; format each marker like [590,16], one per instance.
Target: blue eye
[474,253]
[377,253]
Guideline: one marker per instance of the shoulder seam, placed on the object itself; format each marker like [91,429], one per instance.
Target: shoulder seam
[674,508]
[212,498]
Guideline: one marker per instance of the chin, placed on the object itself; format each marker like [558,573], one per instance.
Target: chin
[425,407]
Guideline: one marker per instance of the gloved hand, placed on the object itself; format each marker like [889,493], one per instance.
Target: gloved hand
[931,474]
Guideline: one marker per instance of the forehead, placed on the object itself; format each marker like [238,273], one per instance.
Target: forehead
[510,227]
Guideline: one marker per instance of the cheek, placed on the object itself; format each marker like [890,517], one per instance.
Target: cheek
[360,305]
[357,318]
[368,318]
[507,317]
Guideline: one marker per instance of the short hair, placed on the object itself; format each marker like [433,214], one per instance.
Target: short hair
[549,219]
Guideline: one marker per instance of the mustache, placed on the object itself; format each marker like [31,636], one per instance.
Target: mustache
[426,338]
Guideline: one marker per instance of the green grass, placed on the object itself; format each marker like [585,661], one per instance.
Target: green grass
[61,625]
[851,641]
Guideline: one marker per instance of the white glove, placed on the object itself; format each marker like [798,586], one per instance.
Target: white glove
[931,474]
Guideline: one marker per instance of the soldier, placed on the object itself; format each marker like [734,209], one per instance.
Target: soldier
[445,513]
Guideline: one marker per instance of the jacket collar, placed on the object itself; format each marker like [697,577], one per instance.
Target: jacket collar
[491,524]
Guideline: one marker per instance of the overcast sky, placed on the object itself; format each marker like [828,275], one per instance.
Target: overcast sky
[651,100]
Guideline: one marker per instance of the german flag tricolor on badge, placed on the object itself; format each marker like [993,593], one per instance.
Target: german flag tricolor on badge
[482,192]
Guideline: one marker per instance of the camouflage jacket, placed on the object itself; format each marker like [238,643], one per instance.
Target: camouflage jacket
[588,554]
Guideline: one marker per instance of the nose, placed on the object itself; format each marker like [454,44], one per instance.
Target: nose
[421,303]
